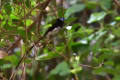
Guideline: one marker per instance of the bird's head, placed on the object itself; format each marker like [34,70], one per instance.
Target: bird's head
[62,19]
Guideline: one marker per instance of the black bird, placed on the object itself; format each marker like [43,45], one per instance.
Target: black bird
[53,30]
[57,25]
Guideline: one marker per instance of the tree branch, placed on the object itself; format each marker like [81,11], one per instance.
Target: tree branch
[30,48]
[117,2]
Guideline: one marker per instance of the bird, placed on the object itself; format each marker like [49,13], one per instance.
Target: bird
[51,31]
[55,27]
[58,24]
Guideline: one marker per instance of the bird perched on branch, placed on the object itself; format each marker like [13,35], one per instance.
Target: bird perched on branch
[58,24]
[51,31]
[55,27]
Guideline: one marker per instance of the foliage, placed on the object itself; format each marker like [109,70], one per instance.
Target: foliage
[86,48]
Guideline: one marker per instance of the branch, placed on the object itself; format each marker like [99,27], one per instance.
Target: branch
[38,5]
[41,14]
[39,17]
[100,65]
[117,2]
[27,30]
[14,45]
[29,27]
[26,33]
[30,48]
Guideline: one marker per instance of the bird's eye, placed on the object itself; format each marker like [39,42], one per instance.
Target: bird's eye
[62,19]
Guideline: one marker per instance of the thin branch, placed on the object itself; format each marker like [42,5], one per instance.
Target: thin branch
[117,2]
[39,21]
[108,77]
[28,14]
[14,45]
[23,77]
[39,17]
[54,7]
[25,21]
[30,48]
[32,25]
[27,30]
[12,75]
[61,54]
[62,4]
[41,14]
[100,65]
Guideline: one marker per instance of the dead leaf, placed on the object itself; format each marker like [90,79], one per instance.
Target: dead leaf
[3,54]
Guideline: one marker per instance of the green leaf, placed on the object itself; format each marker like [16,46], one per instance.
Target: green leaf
[13,59]
[1,17]
[8,8]
[42,57]
[116,31]
[97,16]
[61,69]
[99,71]
[92,4]
[61,12]
[12,16]
[116,77]
[117,18]
[75,8]
[111,63]
[47,55]
[78,46]
[41,0]
[106,4]
[71,19]
[5,66]
[29,22]
[28,3]
[76,67]
[100,33]
[21,31]
[33,3]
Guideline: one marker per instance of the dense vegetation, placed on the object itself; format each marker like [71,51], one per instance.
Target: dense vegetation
[86,48]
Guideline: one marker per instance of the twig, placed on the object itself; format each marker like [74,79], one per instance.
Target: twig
[38,5]
[12,75]
[21,60]
[23,72]
[39,17]
[32,25]
[61,54]
[39,21]
[41,14]
[25,21]
[23,75]
[108,77]
[62,4]
[14,44]
[83,65]
[117,2]
[27,30]
[76,77]
[30,48]
[54,7]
